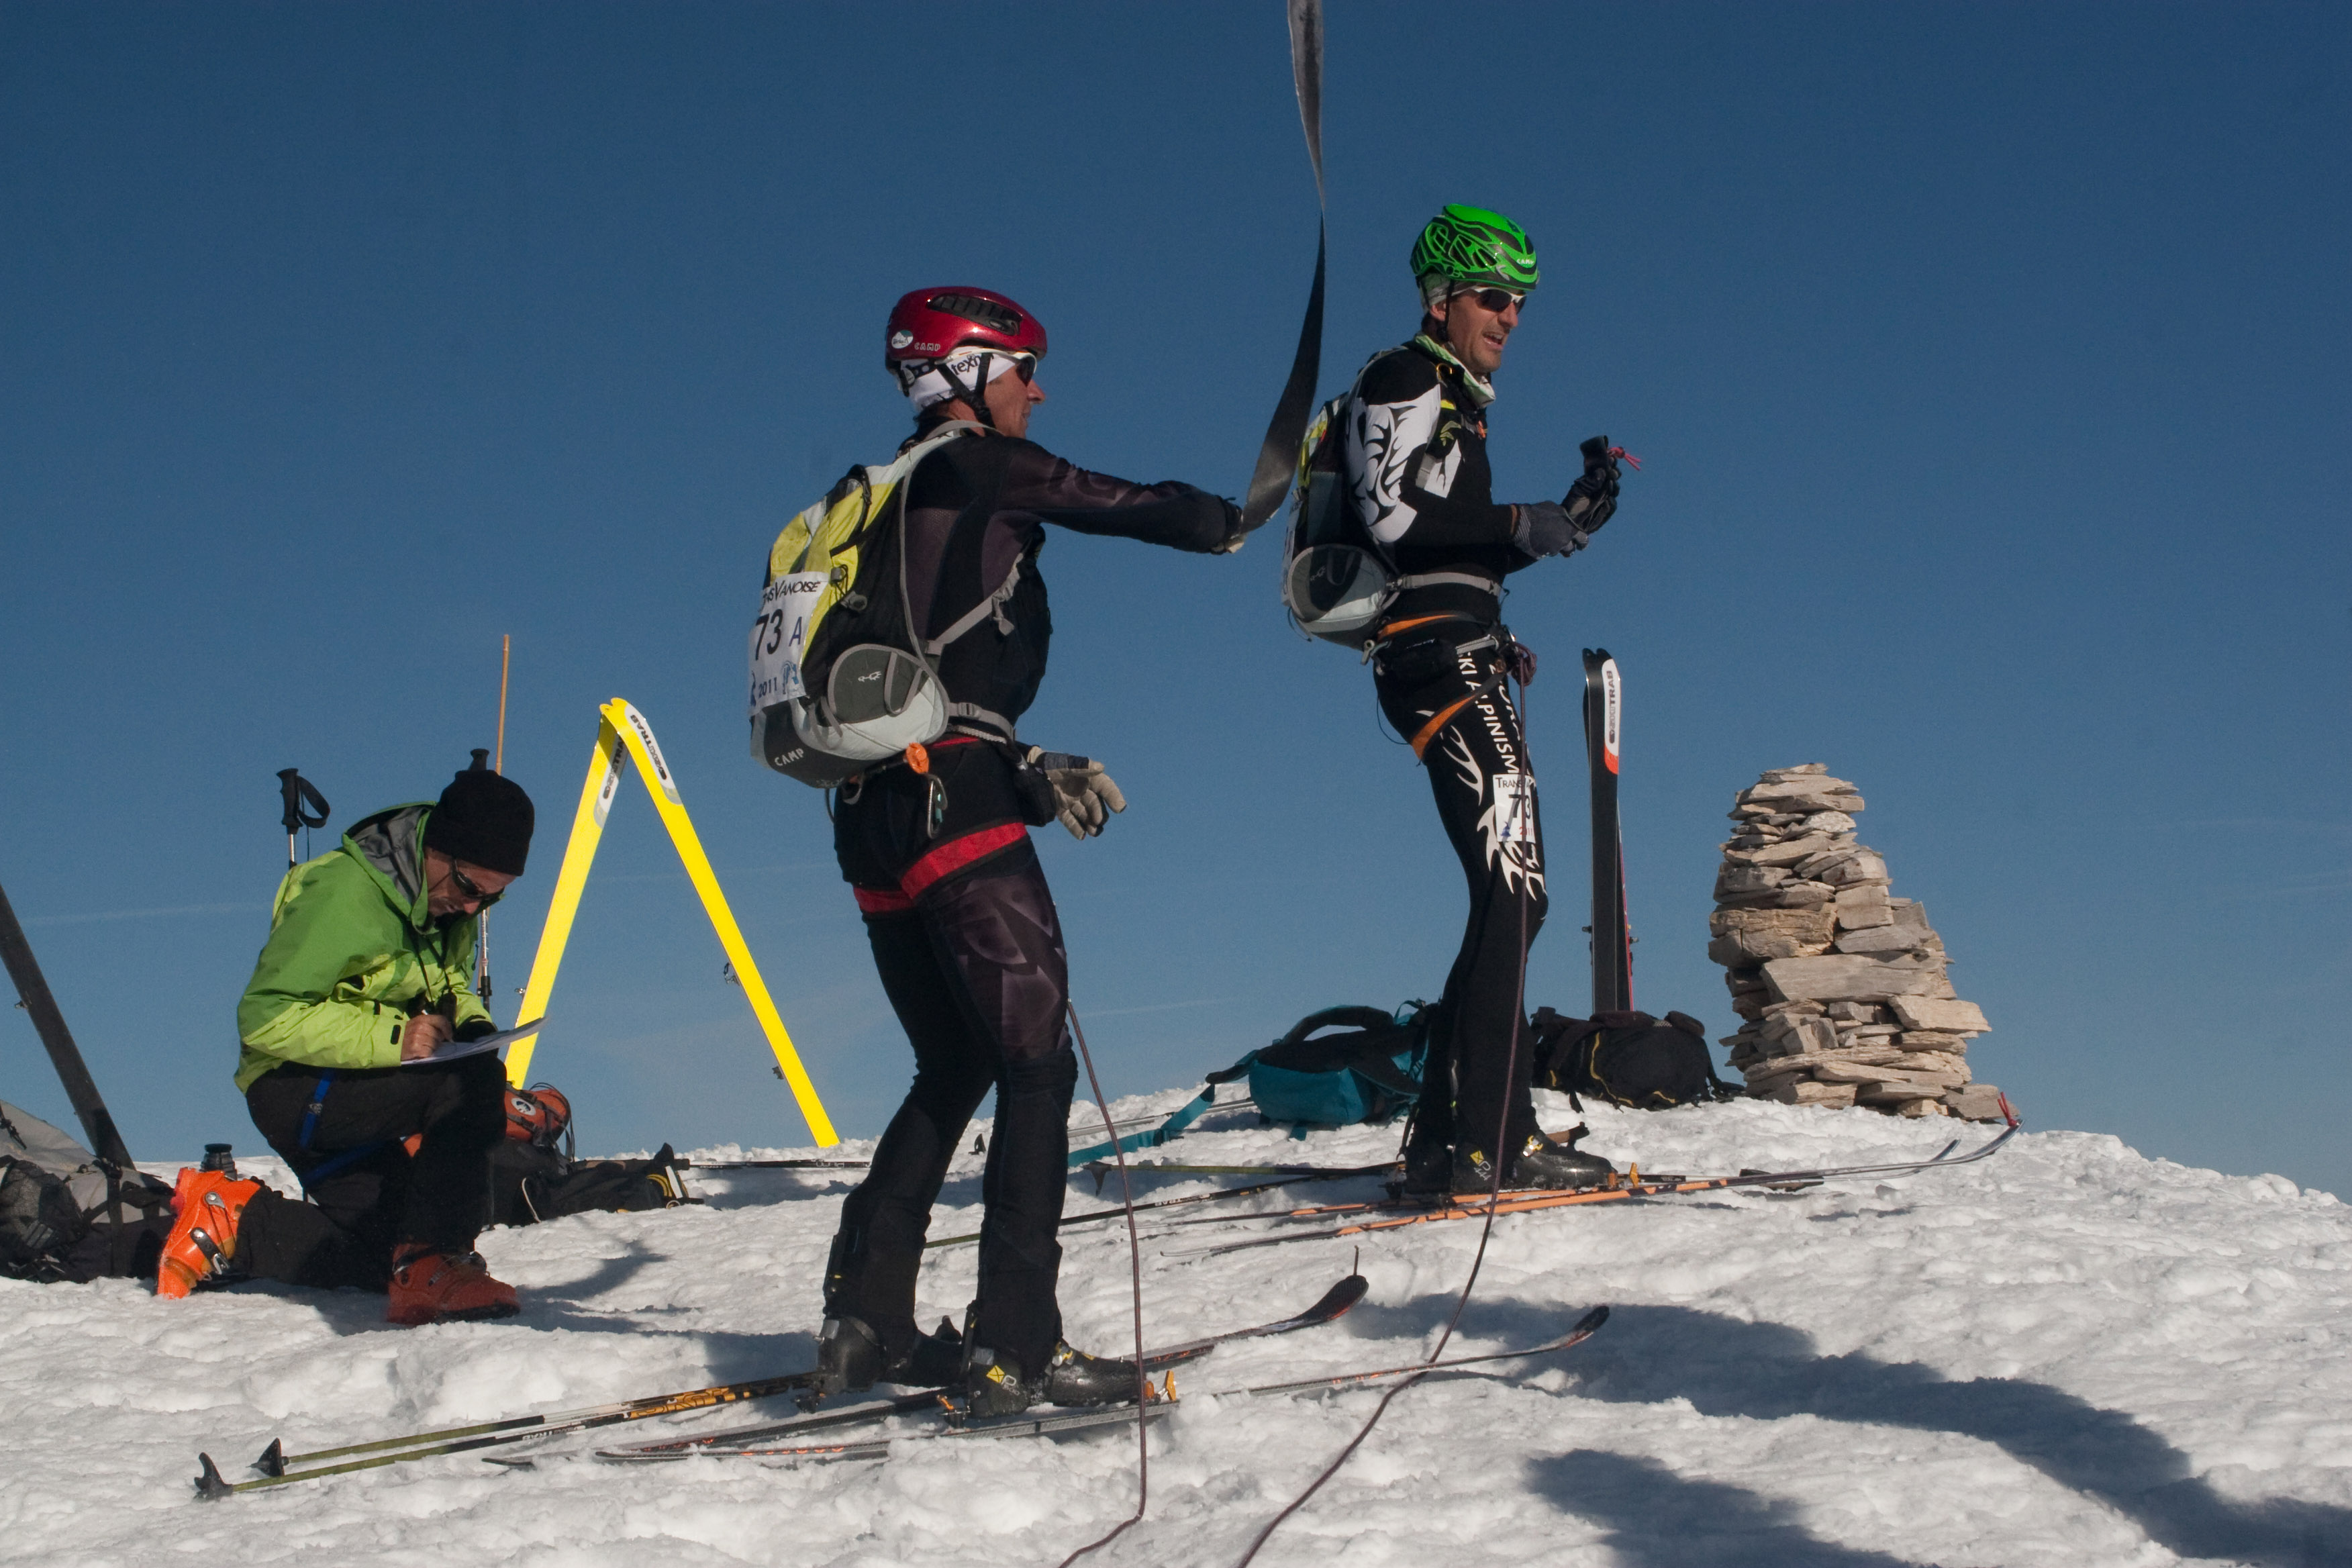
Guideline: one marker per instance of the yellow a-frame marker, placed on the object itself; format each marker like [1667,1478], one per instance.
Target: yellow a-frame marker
[623,734]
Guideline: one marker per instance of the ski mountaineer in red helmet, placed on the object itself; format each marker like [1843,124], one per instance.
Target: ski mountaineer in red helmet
[963,930]
[1414,457]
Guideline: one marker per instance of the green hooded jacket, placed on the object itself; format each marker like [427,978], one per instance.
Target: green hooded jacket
[353,955]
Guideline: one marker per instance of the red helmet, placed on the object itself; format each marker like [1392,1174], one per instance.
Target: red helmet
[540,1114]
[929,323]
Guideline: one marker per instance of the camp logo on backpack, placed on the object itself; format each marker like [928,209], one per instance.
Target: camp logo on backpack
[838,680]
[1336,579]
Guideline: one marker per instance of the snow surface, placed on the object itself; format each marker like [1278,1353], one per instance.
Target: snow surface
[2067,1354]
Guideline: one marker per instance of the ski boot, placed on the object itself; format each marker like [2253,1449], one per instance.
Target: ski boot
[202,1248]
[430,1286]
[1428,1172]
[993,1385]
[1542,1163]
[849,1360]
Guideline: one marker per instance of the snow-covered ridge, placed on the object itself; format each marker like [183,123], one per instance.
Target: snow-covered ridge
[2067,1354]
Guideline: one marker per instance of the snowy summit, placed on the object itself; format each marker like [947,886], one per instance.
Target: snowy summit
[2065,1354]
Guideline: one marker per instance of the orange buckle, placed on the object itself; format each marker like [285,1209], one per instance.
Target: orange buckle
[917,758]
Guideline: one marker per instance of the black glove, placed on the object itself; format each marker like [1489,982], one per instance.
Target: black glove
[1593,498]
[1542,528]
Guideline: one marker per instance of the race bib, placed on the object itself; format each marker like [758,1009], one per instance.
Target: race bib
[1515,810]
[780,636]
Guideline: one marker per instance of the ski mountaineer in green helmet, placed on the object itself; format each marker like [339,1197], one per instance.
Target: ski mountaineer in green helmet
[1413,451]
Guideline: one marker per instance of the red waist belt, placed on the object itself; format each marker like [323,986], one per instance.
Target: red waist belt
[945,861]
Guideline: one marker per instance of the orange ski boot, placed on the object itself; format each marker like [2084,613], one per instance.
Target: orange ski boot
[202,1247]
[429,1287]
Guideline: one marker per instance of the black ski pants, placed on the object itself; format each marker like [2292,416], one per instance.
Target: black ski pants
[368,1193]
[969,946]
[1444,691]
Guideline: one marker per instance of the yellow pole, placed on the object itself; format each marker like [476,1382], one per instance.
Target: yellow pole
[587,832]
[638,736]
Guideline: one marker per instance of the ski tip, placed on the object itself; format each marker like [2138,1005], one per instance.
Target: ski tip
[273,1458]
[209,1485]
[1591,1321]
[1338,1299]
[2008,1111]
[510,1461]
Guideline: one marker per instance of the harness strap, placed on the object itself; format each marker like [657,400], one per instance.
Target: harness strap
[973,712]
[993,605]
[937,864]
[1445,715]
[326,1168]
[1449,579]
[318,1103]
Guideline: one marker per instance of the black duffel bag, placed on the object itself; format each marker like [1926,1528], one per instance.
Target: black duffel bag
[1627,1058]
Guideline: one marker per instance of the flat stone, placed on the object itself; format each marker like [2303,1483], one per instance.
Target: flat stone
[1881,1074]
[1790,1034]
[1879,939]
[1788,852]
[1848,977]
[1793,784]
[1932,1040]
[1803,770]
[1977,1102]
[1857,1012]
[1736,878]
[1805,925]
[1921,1107]
[1832,855]
[1835,1096]
[1916,1009]
[1803,895]
[1865,866]
[1910,913]
[1862,908]
[1827,822]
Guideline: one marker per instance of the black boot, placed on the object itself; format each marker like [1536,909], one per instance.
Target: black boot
[992,1385]
[1541,1164]
[848,1358]
[1074,1377]
[935,1362]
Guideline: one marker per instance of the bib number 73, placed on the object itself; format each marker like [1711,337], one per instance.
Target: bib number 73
[780,639]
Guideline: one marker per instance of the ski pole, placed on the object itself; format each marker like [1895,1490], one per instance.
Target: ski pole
[275,1462]
[64,1055]
[299,794]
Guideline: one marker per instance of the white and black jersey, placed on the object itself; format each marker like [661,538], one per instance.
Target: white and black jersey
[1415,446]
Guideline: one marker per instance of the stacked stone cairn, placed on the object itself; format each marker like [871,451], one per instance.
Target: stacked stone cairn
[1841,988]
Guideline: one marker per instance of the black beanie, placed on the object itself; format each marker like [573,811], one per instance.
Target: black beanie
[482,819]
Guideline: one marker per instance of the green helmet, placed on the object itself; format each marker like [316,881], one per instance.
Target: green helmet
[1470,245]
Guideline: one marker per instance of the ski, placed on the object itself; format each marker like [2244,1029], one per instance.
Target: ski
[1311,1175]
[774,1164]
[1334,1304]
[1612,944]
[1393,1213]
[949,1428]
[1584,1329]
[1100,1169]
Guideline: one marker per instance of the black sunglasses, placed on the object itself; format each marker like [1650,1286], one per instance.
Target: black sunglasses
[474,895]
[1496,299]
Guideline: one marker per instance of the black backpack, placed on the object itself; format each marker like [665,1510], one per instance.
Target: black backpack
[1627,1058]
[533,1182]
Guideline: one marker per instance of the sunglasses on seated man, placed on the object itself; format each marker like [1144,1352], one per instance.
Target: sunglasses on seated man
[471,893]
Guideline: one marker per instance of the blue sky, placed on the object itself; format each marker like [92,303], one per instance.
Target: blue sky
[1988,365]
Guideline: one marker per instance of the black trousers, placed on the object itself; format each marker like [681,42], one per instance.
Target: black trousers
[969,947]
[380,1196]
[1481,1064]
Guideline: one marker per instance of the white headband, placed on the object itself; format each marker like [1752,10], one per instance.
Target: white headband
[924,383]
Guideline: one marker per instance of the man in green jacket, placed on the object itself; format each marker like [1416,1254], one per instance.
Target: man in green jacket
[361,992]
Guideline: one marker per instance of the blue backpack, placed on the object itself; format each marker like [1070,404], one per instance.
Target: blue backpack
[1367,1071]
